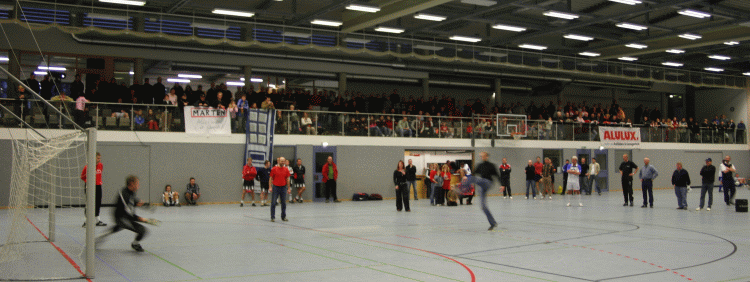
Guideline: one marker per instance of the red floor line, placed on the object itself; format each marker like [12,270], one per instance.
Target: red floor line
[70,260]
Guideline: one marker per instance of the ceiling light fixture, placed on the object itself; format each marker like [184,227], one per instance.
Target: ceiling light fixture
[747,73]
[714,69]
[730,43]
[509,27]
[107,17]
[363,8]
[178,80]
[675,51]
[690,36]
[4,59]
[672,64]
[578,37]
[719,57]
[428,47]
[561,15]
[185,75]
[465,38]
[532,46]
[627,2]
[41,73]
[389,29]
[124,2]
[485,3]
[52,68]
[631,26]
[694,13]
[235,83]
[326,22]
[637,46]
[233,13]
[590,54]
[430,17]
[629,59]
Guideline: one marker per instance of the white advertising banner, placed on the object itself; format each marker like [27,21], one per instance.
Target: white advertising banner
[620,136]
[207,121]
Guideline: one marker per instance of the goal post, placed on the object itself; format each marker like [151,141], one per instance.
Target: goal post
[90,202]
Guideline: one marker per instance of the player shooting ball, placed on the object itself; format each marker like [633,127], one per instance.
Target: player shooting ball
[125,217]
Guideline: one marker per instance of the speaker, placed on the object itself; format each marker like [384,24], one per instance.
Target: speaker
[740,205]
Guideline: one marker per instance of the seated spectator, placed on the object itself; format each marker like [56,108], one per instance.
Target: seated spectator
[403,128]
[140,121]
[374,129]
[169,197]
[307,123]
[383,125]
[201,101]
[120,114]
[192,192]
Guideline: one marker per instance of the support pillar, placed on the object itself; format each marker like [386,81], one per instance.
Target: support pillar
[139,22]
[14,66]
[109,68]
[247,73]
[342,83]
[498,97]
[426,87]
[664,105]
[138,71]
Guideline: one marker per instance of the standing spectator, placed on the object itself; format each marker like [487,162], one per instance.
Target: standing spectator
[445,174]
[547,171]
[21,103]
[299,179]
[330,175]
[279,178]
[288,166]
[202,102]
[505,179]
[727,180]
[192,192]
[158,90]
[76,88]
[169,197]
[267,104]
[741,132]
[594,169]
[433,175]
[647,176]
[530,182]
[402,188]
[79,114]
[680,180]
[485,171]
[585,188]
[708,176]
[249,173]
[565,168]
[574,172]
[242,107]
[538,165]
[411,178]
[99,169]
[262,177]
[627,170]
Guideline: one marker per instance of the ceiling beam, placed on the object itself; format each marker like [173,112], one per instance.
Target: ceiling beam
[306,18]
[176,6]
[389,12]
[574,25]
[476,13]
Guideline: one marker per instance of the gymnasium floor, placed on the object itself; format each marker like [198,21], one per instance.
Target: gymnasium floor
[371,241]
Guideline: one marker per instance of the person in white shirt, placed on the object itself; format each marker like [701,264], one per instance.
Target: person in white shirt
[574,171]
[594,170]
[727,180]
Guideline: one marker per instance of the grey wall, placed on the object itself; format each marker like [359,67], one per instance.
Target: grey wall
[709,103]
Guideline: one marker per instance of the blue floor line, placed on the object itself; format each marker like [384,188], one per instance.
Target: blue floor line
[97,257]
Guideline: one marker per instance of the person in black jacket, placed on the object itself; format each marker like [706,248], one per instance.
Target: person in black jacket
[411,178]
[402,189]
[483,174]
[530,182]
[125,217]
[263,177]
[299,180]
[708,176]
[680,181]
[505,179]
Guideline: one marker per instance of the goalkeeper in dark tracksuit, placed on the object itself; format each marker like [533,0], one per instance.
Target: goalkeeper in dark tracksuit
[125,217]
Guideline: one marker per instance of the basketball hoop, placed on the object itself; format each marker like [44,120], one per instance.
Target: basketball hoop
[516,135]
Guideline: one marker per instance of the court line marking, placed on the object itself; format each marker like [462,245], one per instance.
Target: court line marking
[177,266]
[266,274]
[70,260]
[97,256]
[368,267]
[473,277]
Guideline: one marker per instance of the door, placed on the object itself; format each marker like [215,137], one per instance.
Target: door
[602,179]
[320,157]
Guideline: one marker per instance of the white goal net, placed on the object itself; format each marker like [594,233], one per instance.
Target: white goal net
[40,229]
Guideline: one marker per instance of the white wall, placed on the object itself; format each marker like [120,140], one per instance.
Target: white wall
[709,103]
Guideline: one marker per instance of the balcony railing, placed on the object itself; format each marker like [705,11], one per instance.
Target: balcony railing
[169,118]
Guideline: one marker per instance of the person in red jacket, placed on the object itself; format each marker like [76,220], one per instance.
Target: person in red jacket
[330,175]
[248,174]
[99,169]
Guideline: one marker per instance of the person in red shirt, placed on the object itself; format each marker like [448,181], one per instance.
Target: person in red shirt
[279,183]
[538,165]
[248,174]
[99,169]
[330,175]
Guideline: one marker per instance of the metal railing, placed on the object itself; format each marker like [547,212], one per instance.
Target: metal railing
[169,118]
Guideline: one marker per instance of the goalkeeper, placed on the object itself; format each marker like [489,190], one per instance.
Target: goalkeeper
[125,217]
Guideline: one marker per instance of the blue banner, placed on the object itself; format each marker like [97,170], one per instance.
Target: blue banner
[259,143]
